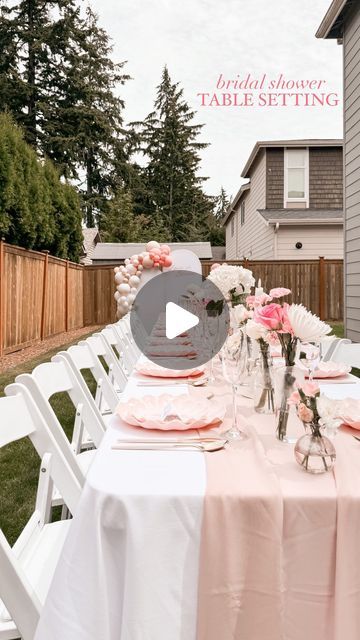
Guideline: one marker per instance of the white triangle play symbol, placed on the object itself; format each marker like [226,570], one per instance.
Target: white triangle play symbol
[178,320]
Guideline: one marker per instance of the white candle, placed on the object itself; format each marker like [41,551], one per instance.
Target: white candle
[259,290]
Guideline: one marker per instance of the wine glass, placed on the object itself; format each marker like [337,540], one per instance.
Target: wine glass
[232,366]
[310,356]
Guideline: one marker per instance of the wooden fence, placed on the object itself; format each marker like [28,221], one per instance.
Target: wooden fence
[317,284]
[41,296]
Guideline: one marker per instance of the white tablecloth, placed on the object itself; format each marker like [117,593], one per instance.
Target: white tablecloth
[129,567]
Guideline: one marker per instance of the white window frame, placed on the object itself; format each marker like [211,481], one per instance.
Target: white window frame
[242,213]
[286,167]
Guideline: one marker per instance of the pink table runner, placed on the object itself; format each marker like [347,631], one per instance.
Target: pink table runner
[279,549]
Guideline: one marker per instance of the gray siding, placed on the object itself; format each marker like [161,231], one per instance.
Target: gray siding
[326,178]
[352,173]
[274,178]
[254,239]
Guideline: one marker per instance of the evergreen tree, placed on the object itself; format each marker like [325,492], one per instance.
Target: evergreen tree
[37,211]
[216,231]
[58,80]
[173,186]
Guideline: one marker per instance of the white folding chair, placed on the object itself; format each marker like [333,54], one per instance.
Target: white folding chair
[347,352]
[329,345]
[28,567]
[123,326]
[82,358]
[101,345]
[121,347]
[50,378]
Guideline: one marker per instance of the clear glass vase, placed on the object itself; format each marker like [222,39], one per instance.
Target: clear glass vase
[263,389]
[248,365]
[315,453]
[289,427]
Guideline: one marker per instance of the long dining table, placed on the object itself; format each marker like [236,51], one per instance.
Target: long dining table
[239,544]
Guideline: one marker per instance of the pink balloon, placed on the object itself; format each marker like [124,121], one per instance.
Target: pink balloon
[165,249]
[214,266]
[168,261]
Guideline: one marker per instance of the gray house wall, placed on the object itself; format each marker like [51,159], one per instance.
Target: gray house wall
[351,43]
[325,178]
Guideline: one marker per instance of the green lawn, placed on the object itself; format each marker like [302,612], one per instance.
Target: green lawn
[19,462]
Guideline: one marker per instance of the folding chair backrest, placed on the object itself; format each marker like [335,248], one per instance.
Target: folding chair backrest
[102,347]
[21,418]
[80,357]
[347,353]
[56,377]
[328,347]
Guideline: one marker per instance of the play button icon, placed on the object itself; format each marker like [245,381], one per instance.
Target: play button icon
[174,321]
[178,320]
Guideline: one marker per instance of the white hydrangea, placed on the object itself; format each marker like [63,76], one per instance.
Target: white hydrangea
[228,277]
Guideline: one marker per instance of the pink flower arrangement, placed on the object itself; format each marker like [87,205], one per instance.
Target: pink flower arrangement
[257,301]
[274,317]
[279,292]
[305,414]
[305,399]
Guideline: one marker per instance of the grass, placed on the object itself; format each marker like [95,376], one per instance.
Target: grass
[19,462]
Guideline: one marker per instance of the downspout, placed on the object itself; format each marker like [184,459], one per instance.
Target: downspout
[276,229]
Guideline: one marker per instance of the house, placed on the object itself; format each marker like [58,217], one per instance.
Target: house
[342,22]
[91,237]
[291,208]
[116,252]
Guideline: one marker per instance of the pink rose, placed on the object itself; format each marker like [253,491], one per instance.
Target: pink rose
[272,316]
[305,414]
[272,339]
[294,398]
[279,292]
[311,389]
[257,301]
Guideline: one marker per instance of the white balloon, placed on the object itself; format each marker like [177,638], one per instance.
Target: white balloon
[131,297]
[116,269]
[133,290]
[116,295]
[127,261]
[124,288]
[122,299]
[131,269]
[134,281]
[119,278]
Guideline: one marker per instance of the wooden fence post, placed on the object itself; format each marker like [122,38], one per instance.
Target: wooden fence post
[67,296]
[43,304]
[2,291]
[322,288]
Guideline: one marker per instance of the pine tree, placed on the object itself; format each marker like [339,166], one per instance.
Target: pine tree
[58,80]
[170,142]
[216,231]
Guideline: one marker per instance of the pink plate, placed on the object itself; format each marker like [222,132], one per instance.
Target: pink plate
[331,370]
[149,368]
[350,412]
[170,351]
[171,413]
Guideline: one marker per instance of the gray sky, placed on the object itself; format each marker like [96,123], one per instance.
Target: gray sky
[199,39]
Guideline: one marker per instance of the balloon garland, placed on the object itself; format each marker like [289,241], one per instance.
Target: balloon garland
[128,276]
